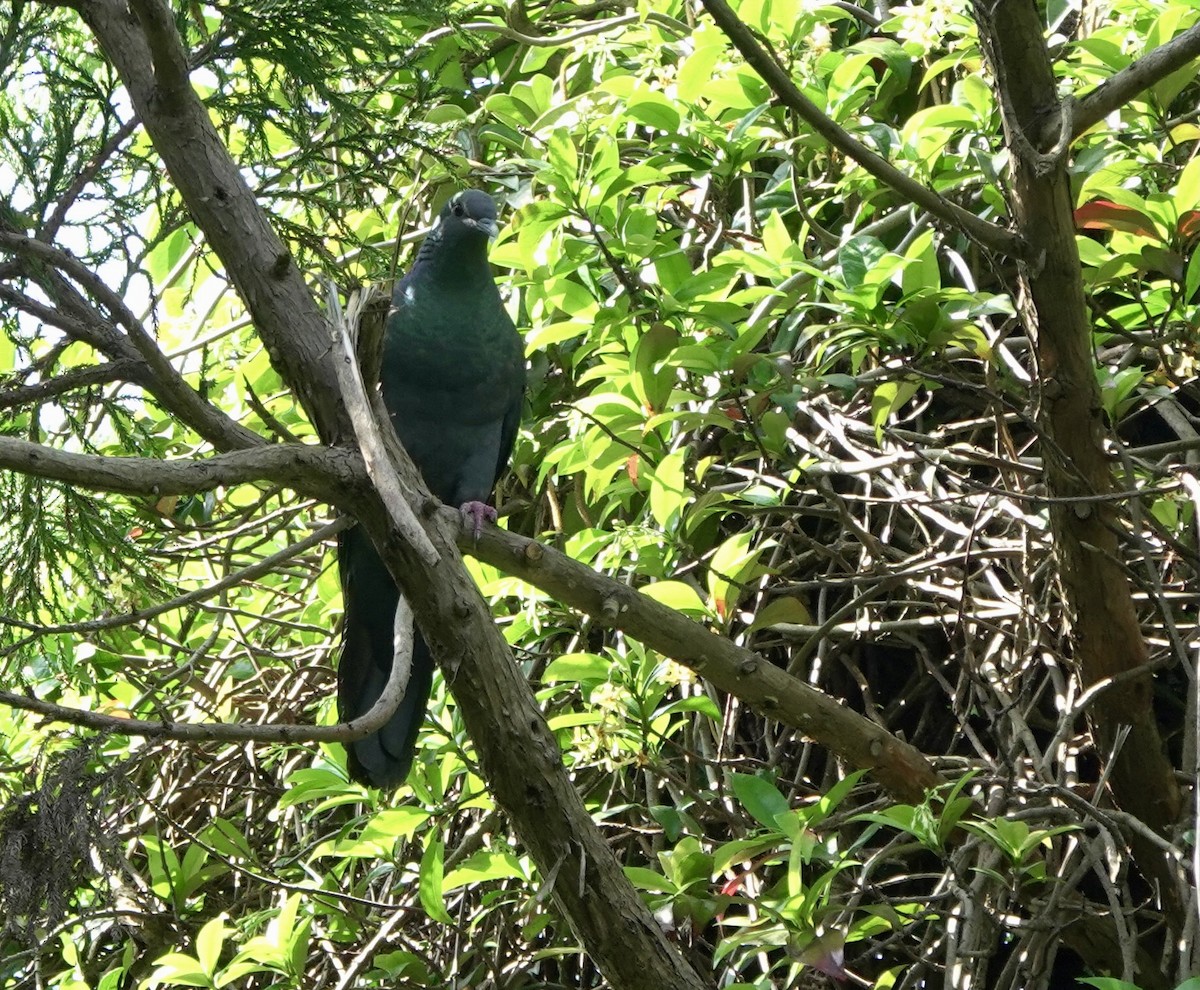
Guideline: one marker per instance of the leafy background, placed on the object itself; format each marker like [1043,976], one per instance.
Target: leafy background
[764,389]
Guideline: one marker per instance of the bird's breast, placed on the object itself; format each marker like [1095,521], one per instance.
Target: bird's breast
[463,365]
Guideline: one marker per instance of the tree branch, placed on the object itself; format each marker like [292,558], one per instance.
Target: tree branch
[159,377]
[256,570]
[570,37]
[1123,86]
[148,54]
[1106,635]
[899,767]
[370,438]
[305,468]
[82,324]
[519,756]
[96,374]
[68,199]
[988,234]
[521,760]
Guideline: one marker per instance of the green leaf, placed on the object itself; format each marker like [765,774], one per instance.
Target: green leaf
[565,295]
[645,879]
[668,490]
[696,72]
[445,113]
[561,154]
[788,610]
[577,667]
[430,881]
[180,970]
[573,720]
[391,824]
[1187,188]
[654,377]
[209,943]
[740,850]
[678,595]
[777,242]
[761,798]
[227,839]
[486,864]
[314,784]
[701,703]
[832,799]
[1173,20]
[687,865]
[887,398]
[240,968]
[659,113]
[857,257]
[733,564]
[922,270]
[549,334]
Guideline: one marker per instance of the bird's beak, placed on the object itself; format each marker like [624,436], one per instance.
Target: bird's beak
[489,227]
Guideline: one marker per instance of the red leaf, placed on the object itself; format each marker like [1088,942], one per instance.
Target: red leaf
[631,468]
[1104,214]
[1189,225]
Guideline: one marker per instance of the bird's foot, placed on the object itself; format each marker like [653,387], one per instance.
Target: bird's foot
[473,515]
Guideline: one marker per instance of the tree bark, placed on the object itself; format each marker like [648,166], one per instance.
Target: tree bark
[1106,640]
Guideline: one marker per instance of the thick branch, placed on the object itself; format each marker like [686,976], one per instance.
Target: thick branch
[96,374]
[149,56]
[521,760]
[1106,638]
[519,756]
[1120,88]
[303,468]
[788,93]
[72,316]
[899,767]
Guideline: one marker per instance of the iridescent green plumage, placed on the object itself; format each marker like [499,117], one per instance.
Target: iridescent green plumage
[453,376]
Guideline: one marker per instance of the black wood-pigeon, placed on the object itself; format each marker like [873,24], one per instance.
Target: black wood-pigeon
[453,379]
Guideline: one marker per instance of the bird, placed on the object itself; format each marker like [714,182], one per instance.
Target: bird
[453,382]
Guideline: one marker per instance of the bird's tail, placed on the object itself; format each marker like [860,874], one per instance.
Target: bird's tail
[370,596]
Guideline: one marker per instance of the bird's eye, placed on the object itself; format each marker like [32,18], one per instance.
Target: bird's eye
[459,210]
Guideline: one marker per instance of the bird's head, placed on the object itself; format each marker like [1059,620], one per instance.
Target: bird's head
[463,227]
[469,211]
